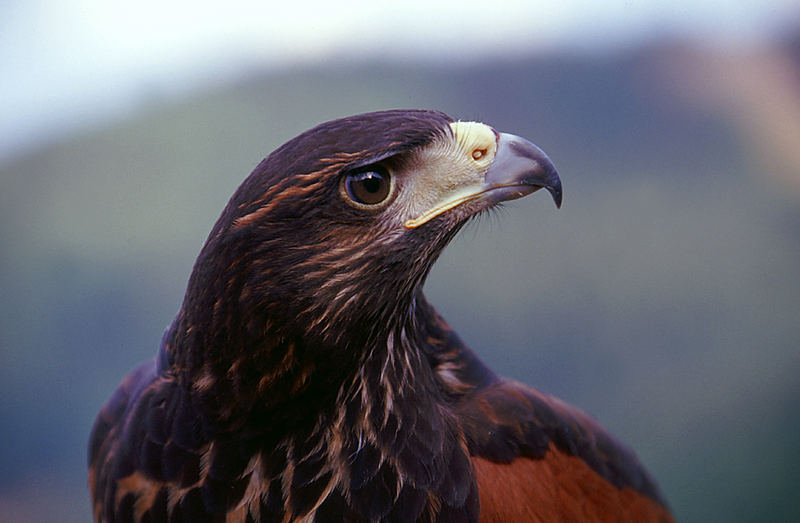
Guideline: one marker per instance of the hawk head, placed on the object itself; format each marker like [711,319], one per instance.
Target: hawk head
[324,247]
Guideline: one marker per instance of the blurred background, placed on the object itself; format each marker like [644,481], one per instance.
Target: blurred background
[663,298]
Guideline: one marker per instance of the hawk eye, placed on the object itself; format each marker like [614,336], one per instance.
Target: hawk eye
[369,186]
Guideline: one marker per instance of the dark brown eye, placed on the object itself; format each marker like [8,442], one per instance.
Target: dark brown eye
[368,187]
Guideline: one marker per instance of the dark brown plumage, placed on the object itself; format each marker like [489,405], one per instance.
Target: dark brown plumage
[306,378]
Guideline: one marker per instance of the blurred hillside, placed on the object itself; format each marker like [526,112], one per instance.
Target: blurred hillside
[663,298]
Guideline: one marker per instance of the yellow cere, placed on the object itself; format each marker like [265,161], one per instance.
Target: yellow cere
[468,157]
[476,139]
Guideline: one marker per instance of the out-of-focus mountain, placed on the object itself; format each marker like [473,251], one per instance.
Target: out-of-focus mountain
[663,297]
[757,91]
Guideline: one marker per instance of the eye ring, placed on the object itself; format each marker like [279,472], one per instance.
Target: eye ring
[368,188]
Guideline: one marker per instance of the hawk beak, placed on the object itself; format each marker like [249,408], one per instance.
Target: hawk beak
[520,168]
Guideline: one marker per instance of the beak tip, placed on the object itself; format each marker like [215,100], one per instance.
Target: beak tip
[556,194]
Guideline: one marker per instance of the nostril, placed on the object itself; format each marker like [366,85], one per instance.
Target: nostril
[477,154]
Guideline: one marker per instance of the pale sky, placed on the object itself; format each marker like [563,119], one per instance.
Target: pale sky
[69,63]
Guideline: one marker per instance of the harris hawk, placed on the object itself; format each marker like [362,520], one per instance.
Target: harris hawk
[306,377]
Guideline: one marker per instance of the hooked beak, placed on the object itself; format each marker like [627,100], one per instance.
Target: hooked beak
[520,168]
